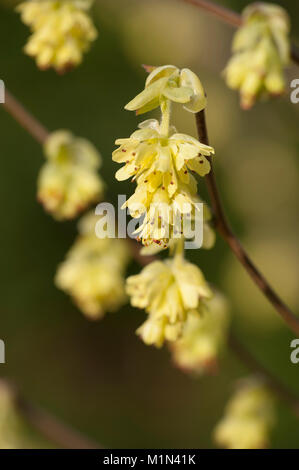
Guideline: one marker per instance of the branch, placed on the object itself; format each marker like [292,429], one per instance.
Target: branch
[232,18]
[24,118]
[48,425]
[227,234]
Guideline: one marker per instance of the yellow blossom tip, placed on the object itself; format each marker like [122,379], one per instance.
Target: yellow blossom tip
[167,82]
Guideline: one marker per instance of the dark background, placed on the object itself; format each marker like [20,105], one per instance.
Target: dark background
[98,376]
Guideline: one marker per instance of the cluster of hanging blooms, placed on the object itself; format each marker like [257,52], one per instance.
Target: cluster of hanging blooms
[161,160]
[248,418]
[61,31]
[93,271]
[171,292]
[68,182]
[203,338]
[261,51]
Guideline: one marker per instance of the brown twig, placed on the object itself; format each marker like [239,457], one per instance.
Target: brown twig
[226,232]
[232,18]
[48,425]
[24,118]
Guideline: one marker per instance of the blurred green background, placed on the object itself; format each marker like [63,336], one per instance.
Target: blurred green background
[98,376]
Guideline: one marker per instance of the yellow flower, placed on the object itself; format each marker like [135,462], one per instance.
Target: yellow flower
[165,219]
[151,157]
[169,291]
[69,182]
[61,31]
[248,418]
[261,50]
[162,167]
[93,272]
[169,82]
[203,337]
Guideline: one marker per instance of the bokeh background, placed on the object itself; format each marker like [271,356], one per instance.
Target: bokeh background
[98,376]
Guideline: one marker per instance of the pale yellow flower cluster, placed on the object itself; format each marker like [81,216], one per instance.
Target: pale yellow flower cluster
[61,31]
[162,161]
[261,51]
[248,418]
[203,338]
[170,291]
[93,271]
[69,181]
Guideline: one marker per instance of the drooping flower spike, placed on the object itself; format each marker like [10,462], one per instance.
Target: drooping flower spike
[169,83]
[68,182]
[170,291]
[261,51]
[61,31]
[248,419]
[162,161]
[93,271]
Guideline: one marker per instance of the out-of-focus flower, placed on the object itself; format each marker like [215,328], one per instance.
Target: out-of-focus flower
[61,31]
[162,167]
[261,51]
[169,291]
[10,423]
[204,335]
[93,271]
[169,82]
[248,418]
[69,182]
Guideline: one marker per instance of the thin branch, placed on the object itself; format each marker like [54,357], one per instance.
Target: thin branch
[232,18]
[227,234]
[24,118]
[48,425]
[224,14]
[274,384]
